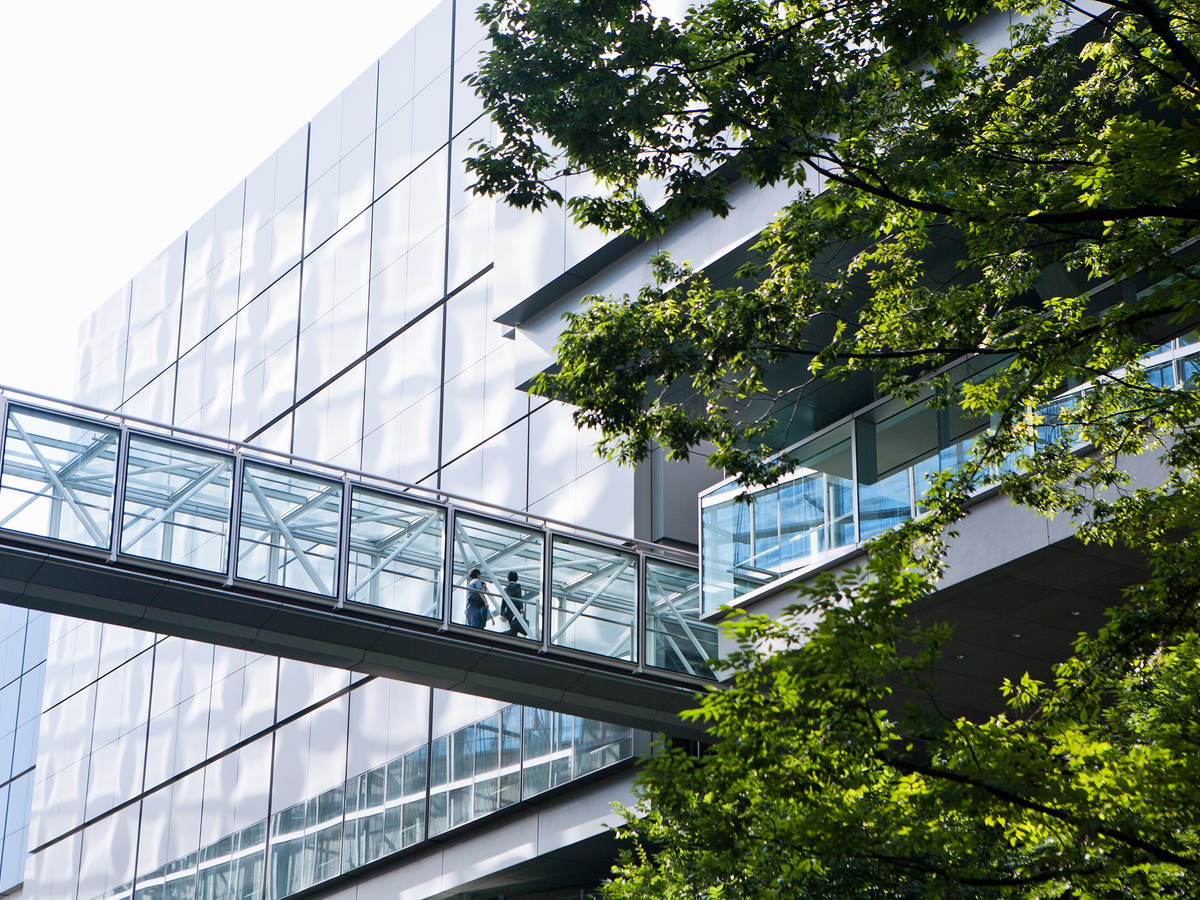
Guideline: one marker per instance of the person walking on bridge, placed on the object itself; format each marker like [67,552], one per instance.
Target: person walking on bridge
[477,607]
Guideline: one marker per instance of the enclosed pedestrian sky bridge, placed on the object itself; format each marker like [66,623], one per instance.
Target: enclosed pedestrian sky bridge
[130,522]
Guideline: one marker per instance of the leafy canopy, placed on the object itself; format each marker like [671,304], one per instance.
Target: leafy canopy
[1031,202]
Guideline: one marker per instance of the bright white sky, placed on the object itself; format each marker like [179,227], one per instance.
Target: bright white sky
[122,122]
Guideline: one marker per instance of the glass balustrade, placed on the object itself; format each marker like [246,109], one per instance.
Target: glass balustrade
[289,531]
[177,504]
[397,549]
[59,477]
[594,598]
[862,477]
[497,576]
[676,639]
[208,508]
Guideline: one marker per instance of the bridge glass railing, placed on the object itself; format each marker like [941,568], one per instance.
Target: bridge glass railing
[499,551]
[153,496]
[396,549]
[594,598]
[59,478]
[177,504]
[860,477]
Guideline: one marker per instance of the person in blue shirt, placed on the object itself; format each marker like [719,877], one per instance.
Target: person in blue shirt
[477,608]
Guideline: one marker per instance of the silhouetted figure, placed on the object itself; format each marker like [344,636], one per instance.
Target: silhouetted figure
[513,609]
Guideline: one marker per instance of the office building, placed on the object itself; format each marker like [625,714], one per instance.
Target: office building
[351,307]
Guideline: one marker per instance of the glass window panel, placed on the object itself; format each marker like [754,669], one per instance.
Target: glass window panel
[470,241]
[536,779]
[460,805]
[487,744]
[158,287]
[397,550]
[1189,369]
[510,738]
[725,536]
[462,753]
[212,268]
[594,596]
[169,839]
[676,639]
[599,744]
[812,510]
[177,504]
[537,732]
[395,779]
[468,31]
[289,529]
[884,504]
[438,813]
[394,157]
[487,797]
[341,159]
[415,766]
[508,558]
[439,772]
[510,788]
[58,477]
[412,823]
[274,216]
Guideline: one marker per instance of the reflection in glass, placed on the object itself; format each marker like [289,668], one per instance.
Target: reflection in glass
[515,753]
[594,591]
[177,504]
[288,534]
[58,477]
[232,868]
[306,843]
[396,553]
[500,550]
[725,529]
[676,639]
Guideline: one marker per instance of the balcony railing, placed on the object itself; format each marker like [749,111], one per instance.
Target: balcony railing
[858,478]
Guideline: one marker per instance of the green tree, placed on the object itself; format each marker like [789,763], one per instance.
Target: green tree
[1034,207]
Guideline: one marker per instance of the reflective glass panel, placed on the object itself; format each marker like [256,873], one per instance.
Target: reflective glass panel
[676,639]
[506,594]
[58,477]
[396,553]
[594,598]
[177,504]
[288,534]
[889,442]
[725,536]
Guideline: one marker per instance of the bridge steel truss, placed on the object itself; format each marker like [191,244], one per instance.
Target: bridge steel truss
[131,522]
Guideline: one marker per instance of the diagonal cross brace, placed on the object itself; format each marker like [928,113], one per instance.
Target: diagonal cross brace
[288,537]
[68,495]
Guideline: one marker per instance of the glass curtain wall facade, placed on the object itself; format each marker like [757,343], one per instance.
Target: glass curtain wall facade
[337,305]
